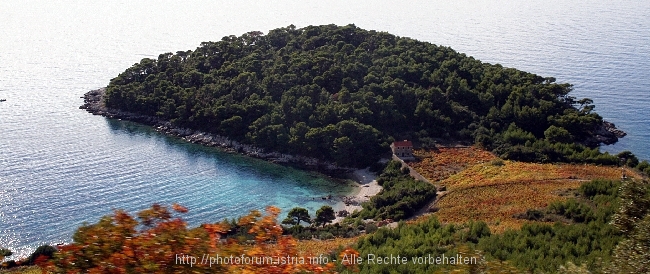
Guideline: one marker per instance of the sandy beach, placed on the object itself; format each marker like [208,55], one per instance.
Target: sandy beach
[367,187]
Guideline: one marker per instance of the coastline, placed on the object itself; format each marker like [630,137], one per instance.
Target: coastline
[366,188]
[604,133]
[93,103]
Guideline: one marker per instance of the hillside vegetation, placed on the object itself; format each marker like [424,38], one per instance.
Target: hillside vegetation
[588,244]
[482,187]
[341,93]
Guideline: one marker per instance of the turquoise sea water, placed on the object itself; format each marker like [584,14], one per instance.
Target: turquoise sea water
[60,166]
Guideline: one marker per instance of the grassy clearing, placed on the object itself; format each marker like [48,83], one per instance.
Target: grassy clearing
[444,162]
[496,204]
[481,187]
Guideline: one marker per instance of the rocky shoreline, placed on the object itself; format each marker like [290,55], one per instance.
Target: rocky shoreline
[605,133]
[93,103]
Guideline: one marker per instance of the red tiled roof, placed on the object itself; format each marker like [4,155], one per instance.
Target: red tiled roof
[404,143]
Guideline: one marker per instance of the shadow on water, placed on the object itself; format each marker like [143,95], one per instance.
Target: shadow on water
[251,167]
[130,128]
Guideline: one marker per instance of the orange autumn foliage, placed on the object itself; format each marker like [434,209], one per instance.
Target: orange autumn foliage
[158,242]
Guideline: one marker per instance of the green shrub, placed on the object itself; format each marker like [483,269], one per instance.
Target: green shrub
[371,228]
[497,162]
[325,235]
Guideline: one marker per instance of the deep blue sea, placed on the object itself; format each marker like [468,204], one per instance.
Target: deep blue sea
[60,166]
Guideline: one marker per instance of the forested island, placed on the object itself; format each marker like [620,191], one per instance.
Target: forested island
[514,202]
[343,94]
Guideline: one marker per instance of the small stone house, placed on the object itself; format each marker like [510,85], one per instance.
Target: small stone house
[402,149]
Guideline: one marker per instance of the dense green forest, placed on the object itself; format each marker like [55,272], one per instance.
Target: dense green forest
[341,93]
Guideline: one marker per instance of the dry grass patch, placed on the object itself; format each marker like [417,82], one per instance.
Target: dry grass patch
[439,164]
[22,270]
[510,172]
[496,204]
[317,247]
[493,191]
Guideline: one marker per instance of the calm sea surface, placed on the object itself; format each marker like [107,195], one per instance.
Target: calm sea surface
[60,166]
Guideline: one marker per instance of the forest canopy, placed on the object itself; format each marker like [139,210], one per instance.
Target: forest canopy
[342,94]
